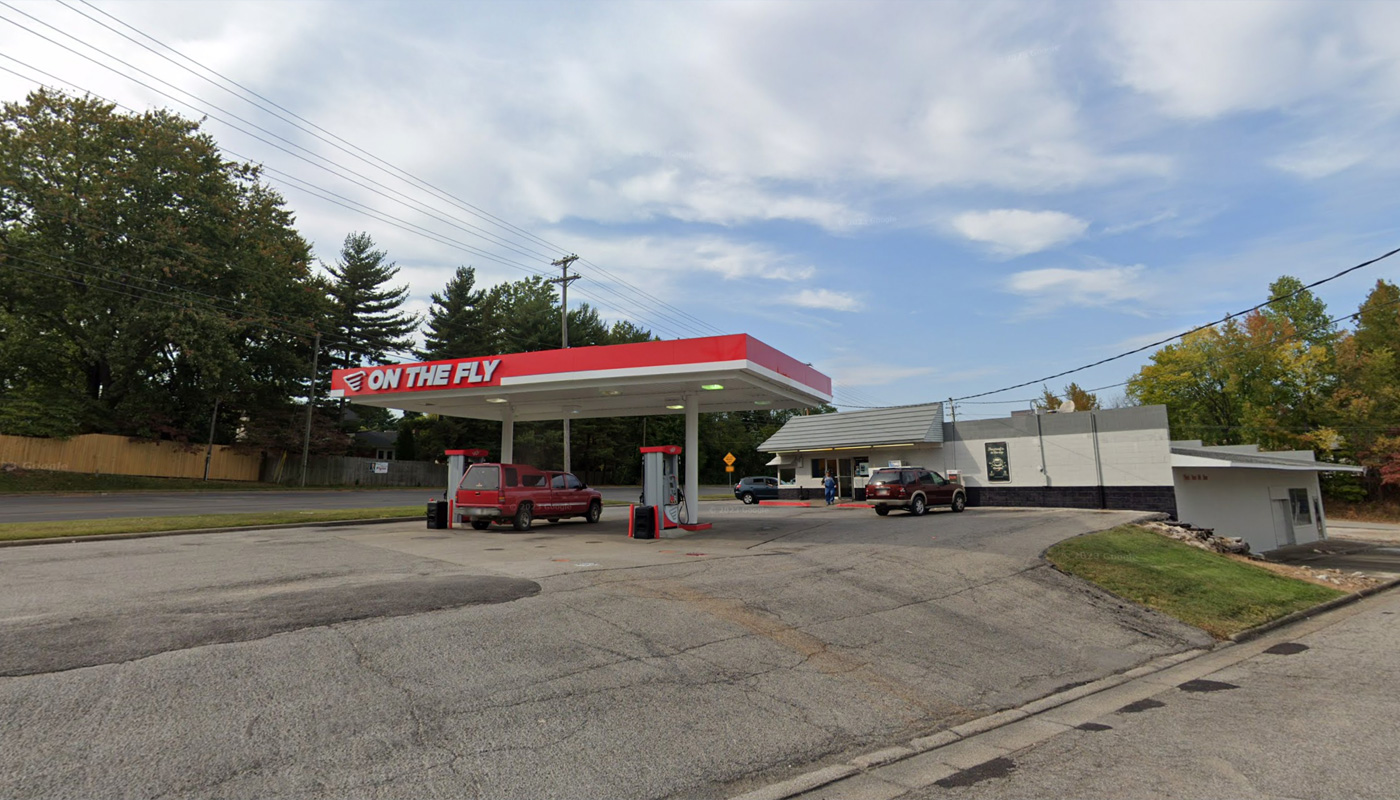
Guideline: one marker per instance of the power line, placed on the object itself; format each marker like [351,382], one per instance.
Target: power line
[387,167]
[310,188]
[1161,342]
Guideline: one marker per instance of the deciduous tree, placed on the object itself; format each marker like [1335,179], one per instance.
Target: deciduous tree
[142,276]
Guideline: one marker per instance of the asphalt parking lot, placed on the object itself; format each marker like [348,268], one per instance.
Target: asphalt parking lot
[99,505]
[566,661]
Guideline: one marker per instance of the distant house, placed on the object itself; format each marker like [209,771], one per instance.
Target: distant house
[378,445]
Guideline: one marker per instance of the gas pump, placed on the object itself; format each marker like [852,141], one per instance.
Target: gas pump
[457,463]
[661,489]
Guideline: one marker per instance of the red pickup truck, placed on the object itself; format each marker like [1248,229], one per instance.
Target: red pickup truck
[518,493]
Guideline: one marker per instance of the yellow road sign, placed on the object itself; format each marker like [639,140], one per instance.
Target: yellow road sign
[730,459]
[728,469]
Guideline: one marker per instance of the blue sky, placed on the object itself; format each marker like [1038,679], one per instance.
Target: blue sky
[924,200]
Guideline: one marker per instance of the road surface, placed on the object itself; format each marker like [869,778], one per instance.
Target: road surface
[52,508]
[567,661]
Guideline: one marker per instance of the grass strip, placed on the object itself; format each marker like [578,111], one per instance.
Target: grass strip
[12,531]
[1220,595]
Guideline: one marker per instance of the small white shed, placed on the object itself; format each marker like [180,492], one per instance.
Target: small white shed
[1270,500]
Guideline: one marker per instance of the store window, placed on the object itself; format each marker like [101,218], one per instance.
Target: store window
[1302,509]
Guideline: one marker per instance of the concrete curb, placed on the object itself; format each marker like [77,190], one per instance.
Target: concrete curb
[112,537]
[1302,614]
[870,764]
[806,782]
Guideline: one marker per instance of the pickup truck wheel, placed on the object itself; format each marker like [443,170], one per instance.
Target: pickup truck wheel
[959,502]
[595,512]
[524,516]
[747,497]
[882,510]
[917,506]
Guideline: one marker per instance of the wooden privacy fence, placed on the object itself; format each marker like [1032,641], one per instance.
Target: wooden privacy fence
[349,471]
[119,455]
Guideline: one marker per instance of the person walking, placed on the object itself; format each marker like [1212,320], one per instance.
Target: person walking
[830,485]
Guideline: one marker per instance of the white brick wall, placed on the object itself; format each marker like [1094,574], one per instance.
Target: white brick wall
[1134,449]
[1129,458]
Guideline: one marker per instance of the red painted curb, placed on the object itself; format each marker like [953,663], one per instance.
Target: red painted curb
[854,505]
[801,503]
[700,526]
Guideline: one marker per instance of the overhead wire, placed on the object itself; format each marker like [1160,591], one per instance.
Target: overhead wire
[372,160]
[1168,339]
[584,292]
[359,207]
[1273,342]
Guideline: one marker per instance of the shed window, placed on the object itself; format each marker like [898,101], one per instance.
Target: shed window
[1302,509]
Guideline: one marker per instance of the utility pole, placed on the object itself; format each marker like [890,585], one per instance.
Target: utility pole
[310,403]
[209,452]
[954,408]
[564,280]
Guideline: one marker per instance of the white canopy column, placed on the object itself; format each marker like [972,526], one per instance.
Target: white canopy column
[692,459]
[507,435]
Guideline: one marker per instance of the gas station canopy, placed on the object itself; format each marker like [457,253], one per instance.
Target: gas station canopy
[717,373]
[681,376]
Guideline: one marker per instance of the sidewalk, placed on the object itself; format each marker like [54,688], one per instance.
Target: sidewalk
[1307,710]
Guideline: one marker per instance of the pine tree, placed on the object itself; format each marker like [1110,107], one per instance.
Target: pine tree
[366,321]
[458,325]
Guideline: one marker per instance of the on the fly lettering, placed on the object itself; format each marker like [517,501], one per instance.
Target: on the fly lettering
[420,376]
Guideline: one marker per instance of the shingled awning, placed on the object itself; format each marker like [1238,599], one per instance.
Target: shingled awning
[880,426]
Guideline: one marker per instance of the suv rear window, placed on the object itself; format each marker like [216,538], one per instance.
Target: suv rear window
[885,476]
[482,478]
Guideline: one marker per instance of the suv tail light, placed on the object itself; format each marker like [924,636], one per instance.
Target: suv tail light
[501,497]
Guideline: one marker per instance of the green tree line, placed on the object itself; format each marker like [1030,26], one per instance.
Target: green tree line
[1288,377]
[149,286]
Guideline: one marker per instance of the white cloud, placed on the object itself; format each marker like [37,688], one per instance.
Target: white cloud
[1145,222]
[1323,157]
[1120,288]
[653,258]
[1204,59]
[1015,232]
[822,299]
[727,114]
[865,373]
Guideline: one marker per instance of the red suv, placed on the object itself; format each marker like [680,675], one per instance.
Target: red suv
[913,489]
[517,493]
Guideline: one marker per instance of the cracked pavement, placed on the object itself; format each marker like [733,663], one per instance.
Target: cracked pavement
[568,661]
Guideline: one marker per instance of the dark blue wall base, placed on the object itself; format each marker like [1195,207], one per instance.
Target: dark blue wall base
[1122,498]
[1134,498]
